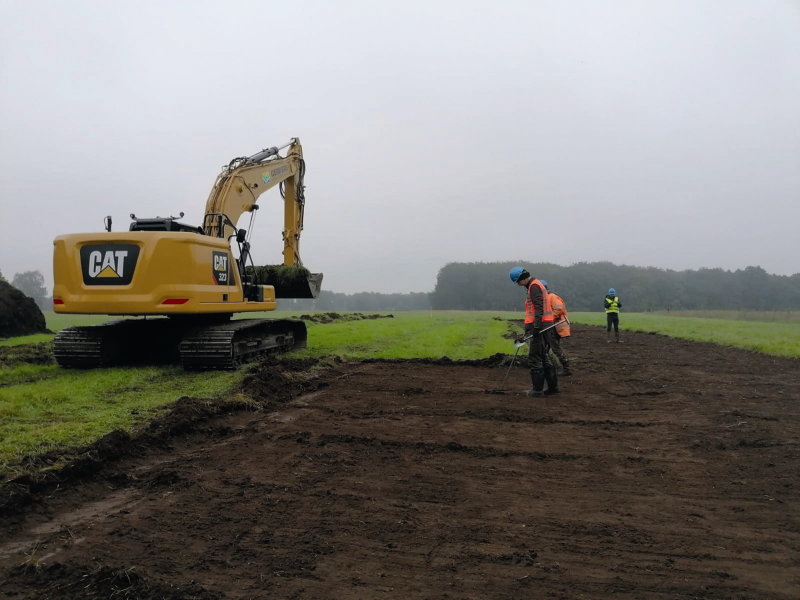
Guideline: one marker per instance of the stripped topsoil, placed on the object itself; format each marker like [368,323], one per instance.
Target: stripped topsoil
[665,469]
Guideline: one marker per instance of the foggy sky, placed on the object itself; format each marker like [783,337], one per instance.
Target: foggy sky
[647,133]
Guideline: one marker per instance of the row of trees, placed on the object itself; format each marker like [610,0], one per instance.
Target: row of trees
[31,283]
[486,286]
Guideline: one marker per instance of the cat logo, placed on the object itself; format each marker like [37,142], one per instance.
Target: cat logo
[108,264]
[220,262]
[113,263]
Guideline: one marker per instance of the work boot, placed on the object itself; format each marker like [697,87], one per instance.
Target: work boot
[565,370]
[608,336]
[616,333]
[552,381]
[537,381]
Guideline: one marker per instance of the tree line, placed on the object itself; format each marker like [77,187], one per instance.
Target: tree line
[31,283]
[486,286]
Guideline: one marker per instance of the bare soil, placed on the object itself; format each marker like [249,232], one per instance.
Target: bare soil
[665,469]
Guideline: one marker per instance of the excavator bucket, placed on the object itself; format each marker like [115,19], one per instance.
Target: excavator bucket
[289,282]
[308,287]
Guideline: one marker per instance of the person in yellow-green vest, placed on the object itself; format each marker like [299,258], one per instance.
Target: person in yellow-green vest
[612,306]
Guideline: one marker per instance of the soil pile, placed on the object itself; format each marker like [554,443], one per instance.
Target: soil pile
[332,317]
[19,314]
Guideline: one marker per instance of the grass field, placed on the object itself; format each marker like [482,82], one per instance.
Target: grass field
[771,337]
[776,316]
[458,335]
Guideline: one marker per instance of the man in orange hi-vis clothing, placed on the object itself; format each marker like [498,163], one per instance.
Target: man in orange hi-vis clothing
[538,317]
[561,330]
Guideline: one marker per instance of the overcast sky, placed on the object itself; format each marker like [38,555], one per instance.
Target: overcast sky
[647,133]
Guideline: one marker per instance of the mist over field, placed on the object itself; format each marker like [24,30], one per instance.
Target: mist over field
[648,134]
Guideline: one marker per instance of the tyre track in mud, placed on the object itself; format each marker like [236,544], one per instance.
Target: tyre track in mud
[666,469]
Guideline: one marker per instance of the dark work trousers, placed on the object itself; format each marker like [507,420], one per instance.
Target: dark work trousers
[612,319]
[537,352]
[555,345]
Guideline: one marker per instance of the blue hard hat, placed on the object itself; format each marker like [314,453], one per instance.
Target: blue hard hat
[612,291]
[543,282]
[515,273]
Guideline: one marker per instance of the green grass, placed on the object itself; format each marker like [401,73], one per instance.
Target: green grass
[771,337]
[42,408]
[778,316]
[55,323]
[416,334]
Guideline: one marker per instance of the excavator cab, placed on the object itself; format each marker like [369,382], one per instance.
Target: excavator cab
[162,224]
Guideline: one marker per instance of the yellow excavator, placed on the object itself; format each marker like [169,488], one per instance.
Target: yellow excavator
[184,281]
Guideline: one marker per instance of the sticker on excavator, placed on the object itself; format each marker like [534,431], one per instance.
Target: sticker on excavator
[267,177]
[221,264]
[108,264]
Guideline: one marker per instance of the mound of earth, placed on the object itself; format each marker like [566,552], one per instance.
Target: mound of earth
[330,317]
[19,314]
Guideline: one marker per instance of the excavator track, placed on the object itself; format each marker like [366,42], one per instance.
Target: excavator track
[195,345]
[81,348]
[228,345]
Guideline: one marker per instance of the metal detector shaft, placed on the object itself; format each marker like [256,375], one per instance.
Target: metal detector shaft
[503,385]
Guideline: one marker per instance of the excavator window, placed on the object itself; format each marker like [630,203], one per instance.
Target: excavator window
[159,224]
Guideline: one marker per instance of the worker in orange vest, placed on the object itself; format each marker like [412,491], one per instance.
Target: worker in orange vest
[561,330]
[538,316]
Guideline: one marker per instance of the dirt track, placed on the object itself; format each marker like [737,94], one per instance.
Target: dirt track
[666,469]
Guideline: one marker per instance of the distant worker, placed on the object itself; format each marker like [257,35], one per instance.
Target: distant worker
[612,306]
[538,316]
[561,330]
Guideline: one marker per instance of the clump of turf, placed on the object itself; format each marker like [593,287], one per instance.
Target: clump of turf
[289,282]
[27,354]
[278,275]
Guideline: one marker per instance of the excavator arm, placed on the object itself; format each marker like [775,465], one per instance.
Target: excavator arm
[240,184]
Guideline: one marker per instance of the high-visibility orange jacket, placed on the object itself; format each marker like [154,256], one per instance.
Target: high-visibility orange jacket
[530,308]
[559,313]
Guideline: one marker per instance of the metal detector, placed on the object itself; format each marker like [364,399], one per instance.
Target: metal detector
[519,344]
